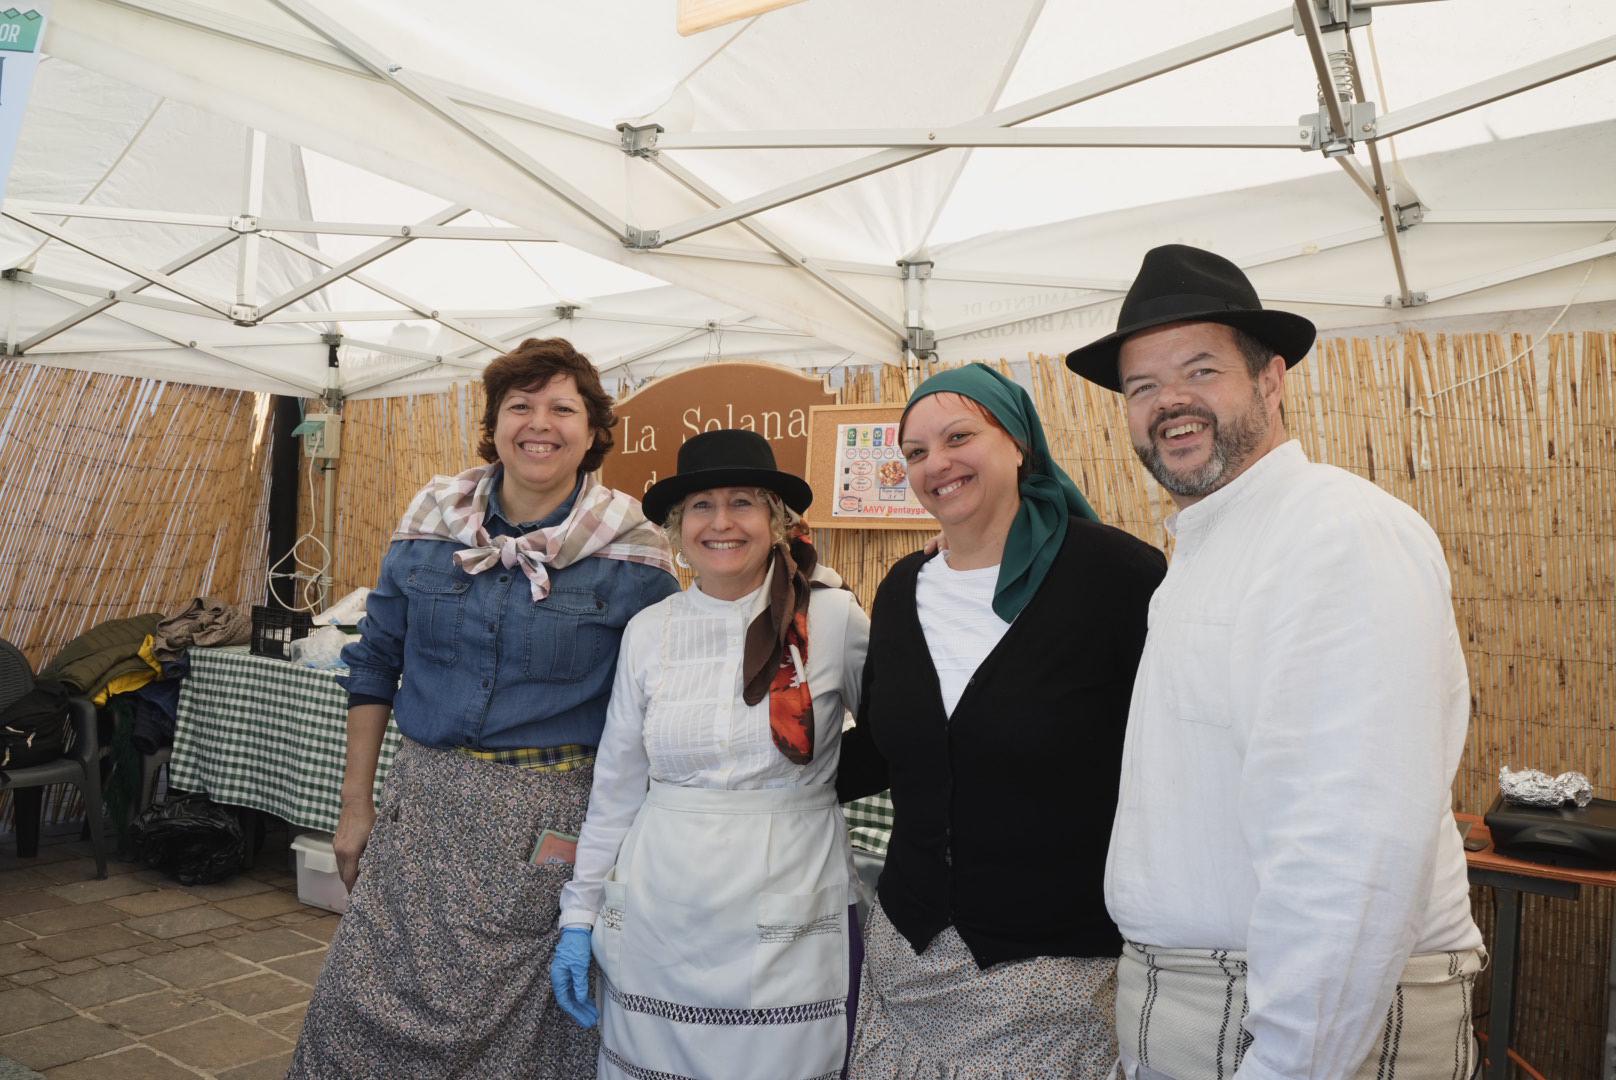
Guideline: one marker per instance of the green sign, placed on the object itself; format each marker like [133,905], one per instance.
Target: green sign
[19,30]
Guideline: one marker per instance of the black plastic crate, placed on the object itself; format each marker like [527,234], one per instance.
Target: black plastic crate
[274,629]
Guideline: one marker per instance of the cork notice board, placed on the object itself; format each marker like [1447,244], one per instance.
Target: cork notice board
[856,470]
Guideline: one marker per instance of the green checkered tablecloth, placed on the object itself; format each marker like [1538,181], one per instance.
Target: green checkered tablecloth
[869,822]
[265,733]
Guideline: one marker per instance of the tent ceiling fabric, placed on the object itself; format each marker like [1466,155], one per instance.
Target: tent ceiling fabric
[904,113]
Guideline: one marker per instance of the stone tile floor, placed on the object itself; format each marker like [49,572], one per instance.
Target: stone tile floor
[140,978]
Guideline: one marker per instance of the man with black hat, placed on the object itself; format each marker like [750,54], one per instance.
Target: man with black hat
[1283,865]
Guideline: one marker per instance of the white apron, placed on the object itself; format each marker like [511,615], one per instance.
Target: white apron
[723,938]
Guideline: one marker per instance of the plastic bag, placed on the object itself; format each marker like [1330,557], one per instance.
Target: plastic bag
[320,649]
[195,841]
[345,612]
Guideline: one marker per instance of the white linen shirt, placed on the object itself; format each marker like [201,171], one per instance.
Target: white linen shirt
[1296,722]
[684,723]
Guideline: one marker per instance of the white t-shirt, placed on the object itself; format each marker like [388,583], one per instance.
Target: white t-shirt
[957,617]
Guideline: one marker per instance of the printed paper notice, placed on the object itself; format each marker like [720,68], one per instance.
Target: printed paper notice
[870,478]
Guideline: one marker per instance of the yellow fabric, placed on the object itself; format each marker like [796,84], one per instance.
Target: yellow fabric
[123,684]
[537,759]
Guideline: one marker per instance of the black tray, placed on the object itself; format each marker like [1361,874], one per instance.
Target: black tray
[1583,837]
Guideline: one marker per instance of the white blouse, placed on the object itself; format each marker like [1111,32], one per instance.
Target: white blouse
[958,620]
[683,722]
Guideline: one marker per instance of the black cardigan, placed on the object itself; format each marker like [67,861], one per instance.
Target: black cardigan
[1003,811]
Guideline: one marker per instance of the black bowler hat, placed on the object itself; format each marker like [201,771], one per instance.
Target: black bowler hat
[1177,283]
[729,457]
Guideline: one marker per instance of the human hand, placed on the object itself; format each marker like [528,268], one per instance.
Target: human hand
[353,834]
[937,543]
[569,976]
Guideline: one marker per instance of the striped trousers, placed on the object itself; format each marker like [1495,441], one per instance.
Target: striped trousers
[1179,1014]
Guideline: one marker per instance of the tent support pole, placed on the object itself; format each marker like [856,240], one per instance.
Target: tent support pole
[515,337]
[441,104]
[194,255]
[1170,60]
[784,250]
[155,277]
[1487,91]
[1603,250]
[252,200]
[421,310]
[1388,223]
[364,258]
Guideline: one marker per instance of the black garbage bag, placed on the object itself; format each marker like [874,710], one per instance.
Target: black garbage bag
[190,839]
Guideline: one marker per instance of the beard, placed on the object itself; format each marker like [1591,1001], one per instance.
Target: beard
[1232,446]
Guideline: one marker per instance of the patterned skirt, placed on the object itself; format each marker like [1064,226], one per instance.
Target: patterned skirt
[441,967]
[937,1016]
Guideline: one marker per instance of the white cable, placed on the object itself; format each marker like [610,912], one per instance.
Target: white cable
[311,575]
[1421,410]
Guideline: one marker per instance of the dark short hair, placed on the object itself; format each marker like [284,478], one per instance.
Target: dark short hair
[531,366]
[1256,353]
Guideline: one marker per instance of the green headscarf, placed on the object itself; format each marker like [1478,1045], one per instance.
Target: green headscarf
[1048,496]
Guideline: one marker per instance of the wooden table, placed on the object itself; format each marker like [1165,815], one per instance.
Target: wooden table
[1508,877]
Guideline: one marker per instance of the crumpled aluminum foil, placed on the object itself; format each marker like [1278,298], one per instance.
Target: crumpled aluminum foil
[1532,787]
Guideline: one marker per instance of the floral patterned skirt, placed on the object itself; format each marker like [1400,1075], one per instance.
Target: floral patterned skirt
[937,1016]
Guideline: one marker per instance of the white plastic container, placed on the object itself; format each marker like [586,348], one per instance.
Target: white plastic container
[318,883]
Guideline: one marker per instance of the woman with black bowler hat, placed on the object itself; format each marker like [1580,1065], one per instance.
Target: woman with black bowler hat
[994,701]
[712,885]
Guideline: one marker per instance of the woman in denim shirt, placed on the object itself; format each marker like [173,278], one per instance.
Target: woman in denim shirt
[492,636]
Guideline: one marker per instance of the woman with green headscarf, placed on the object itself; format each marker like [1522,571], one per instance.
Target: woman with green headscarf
[995,697]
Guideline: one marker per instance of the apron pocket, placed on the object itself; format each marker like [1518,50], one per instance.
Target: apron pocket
[608,936]
[800,954]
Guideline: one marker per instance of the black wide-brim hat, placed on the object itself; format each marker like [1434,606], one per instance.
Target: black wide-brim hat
[1178,283]
[729,457]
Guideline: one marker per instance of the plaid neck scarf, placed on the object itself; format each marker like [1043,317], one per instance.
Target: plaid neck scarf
[775,660]
[604,523]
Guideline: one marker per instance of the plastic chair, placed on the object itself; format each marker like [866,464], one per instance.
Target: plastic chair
[81,766]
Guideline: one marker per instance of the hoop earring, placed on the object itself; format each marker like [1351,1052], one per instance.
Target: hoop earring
[680,561]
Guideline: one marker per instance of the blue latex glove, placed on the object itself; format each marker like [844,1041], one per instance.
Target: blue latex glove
[569,977]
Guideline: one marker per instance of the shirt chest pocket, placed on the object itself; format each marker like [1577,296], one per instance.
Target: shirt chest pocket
[437,612]
[568,635]
[1193,666]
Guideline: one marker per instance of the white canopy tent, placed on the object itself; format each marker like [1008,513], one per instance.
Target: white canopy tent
[832,182]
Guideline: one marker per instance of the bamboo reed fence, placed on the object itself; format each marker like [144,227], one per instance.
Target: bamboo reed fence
[120,496]
[1506,446]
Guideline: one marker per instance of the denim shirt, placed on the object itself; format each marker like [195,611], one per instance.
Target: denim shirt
[482,665]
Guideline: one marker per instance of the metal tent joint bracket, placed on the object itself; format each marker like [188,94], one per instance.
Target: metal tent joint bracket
[921,343]
[919,269]
[638,239]
[566,311]
[1313,131]
[331,339]
[1335,15]
[244,223]
[1409,215]
[244,314]
[640,140]
[1415,299]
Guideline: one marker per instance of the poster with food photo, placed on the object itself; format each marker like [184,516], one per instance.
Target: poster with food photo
[870,477]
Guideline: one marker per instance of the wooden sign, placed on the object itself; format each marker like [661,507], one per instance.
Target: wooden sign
[653,423]
[698,15]
[857,472]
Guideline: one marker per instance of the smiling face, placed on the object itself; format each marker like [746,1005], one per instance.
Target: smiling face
[726,534]
[962,466]
[1197,416]
[541,435]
